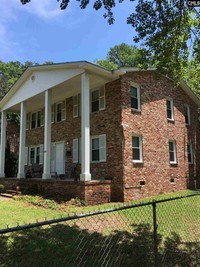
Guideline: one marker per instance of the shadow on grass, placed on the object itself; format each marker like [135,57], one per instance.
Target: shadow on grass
[63,245]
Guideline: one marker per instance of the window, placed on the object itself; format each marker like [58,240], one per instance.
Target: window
[190,153]
[27,121]
[135,97]
[35,154]
[98,148]
[33,120]
[36,119]
[75,106]
[170,109]
[187,114]
[172,152]
[60,111]
[98,99]
[137,148]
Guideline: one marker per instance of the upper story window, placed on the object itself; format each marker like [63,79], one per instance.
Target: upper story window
[170,109]
[172,152]
[135,97]
[36,119]
[187,114]
[137,148]
[60,111]
[190,153]
[98,99]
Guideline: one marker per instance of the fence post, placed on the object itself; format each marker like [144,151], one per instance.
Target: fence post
[155,234]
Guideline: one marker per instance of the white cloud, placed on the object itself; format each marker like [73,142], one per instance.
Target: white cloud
[12,10]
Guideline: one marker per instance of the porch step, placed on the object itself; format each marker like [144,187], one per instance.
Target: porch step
[6,195]
[13,192]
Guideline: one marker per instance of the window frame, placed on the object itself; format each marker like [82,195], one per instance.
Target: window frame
[38,154]
[190,151]
[174,152]
[187,113]
[62,111]
[75,115]
[137,87]
[102,155]
[140,148]
[171,110]
[100,97]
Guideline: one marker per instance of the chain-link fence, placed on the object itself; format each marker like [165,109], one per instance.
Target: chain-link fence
[158,233]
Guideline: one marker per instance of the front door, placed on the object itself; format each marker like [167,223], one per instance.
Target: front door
[59,160]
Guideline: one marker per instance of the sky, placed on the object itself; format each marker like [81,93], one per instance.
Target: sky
[40,31]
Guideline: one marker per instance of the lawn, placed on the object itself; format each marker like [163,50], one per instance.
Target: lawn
[123,238]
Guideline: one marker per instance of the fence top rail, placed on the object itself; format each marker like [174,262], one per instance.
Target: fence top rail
[88,214]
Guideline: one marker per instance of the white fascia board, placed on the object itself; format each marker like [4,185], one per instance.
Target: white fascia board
[190,93]
[36,83]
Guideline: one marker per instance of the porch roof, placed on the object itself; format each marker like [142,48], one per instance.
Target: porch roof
[63,78]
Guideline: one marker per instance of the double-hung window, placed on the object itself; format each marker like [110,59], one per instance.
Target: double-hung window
[187,114]
[33,120]
[35,155]
[60,111]
[98,99]
[98,148]
[135,97]
[137,148]
[172,152]
[170,109]
[190,153]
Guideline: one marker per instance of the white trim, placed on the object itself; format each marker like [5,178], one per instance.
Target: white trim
[75,106]
[140,149]
[137,87]
[174,151]
[75,150]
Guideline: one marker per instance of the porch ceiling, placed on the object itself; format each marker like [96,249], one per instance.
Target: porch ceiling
[61,91]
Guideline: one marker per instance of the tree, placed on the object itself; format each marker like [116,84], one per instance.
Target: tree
[124,55]
[169,30]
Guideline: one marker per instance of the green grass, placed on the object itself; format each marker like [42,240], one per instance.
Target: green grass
[126,235]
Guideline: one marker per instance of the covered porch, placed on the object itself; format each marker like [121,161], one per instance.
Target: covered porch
[40,87]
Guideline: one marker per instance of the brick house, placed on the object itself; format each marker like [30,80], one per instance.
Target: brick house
[130,133]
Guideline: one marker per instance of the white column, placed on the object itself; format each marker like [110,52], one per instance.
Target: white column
[3,144]
[85,128]
[47,136]
[22,141]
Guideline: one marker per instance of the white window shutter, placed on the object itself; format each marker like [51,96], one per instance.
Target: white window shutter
[52,157]
[80,150]
[42,117]
[52,113]
[41,154]
[27,121]
[102,147]
[26,155]
[102,98]
[75,150]
[75,106]
[64,110]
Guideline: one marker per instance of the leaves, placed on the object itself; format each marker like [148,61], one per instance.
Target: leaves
[124,55]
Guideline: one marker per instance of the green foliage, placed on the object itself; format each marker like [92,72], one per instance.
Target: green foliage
[38,201]
[2,188]
[124,55]
[169,30]
[10,162]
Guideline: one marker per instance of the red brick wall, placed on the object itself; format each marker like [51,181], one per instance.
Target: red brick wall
[92,192]
[156,131]
[107,122]
[118,122]
[12,135]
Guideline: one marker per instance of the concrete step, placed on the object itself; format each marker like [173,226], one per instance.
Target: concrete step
[6,195]
[13,192]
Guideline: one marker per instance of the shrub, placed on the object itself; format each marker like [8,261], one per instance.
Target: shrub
[2,188]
